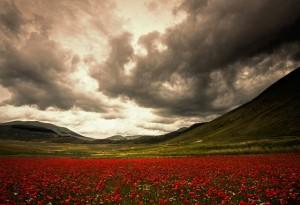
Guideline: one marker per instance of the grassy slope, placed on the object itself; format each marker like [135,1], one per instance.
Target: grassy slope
[38,131]
[280,144]
[273,114]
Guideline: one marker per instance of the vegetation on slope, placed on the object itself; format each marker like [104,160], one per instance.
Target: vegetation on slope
[274,113]
[38,131]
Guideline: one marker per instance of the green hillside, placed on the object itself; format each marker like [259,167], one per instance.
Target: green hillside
[274,113]
[38,131]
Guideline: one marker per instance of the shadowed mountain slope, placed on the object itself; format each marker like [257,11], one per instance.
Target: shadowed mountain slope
[38,131]
[274,113]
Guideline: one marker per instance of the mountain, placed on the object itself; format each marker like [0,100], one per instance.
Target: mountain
[144,139]
[165,137]
[272,114]
[133,137]
[38,131]
[116,138]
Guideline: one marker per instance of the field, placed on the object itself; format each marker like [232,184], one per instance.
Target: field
[244,179]
[274,145]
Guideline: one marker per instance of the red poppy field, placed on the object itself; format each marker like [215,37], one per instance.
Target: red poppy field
[252,179]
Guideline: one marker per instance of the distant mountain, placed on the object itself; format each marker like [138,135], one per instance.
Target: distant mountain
[39,131]
[116,138]
[165,137]
[145,139]
[133,137]
[274,113]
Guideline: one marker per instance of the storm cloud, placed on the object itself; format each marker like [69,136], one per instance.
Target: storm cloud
[35,68]
[204,65]
[141,66]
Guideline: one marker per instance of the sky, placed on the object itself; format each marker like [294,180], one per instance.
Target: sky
[140,67]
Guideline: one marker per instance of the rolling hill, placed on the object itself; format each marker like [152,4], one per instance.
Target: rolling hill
[39,131]
[274,113]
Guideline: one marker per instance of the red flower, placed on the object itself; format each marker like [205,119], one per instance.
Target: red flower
[187,180]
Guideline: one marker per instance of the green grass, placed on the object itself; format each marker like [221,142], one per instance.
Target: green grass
[18,148]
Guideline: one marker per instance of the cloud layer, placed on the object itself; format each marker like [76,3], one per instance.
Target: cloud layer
[194,67]
[143,62]
[35,68]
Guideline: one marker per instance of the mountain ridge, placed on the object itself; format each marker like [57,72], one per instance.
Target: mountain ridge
[274,112]
[38,131]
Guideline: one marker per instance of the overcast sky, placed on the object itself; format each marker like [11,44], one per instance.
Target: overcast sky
[107,67]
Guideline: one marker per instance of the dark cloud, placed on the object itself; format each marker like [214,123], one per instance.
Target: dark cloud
[36,74]
[10,17]
[205,55]
[221,55]
[192,6]
[163,121]
[155,127]
[35,68]
[112,72]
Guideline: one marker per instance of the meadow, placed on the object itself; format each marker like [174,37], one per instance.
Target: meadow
[244,179]
[282,144]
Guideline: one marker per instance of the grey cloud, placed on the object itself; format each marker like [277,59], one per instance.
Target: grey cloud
[112,72]
[205,54]
[192,6]
[36,74]
[163,121]
[154,127]
[10,17]
[35,68]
